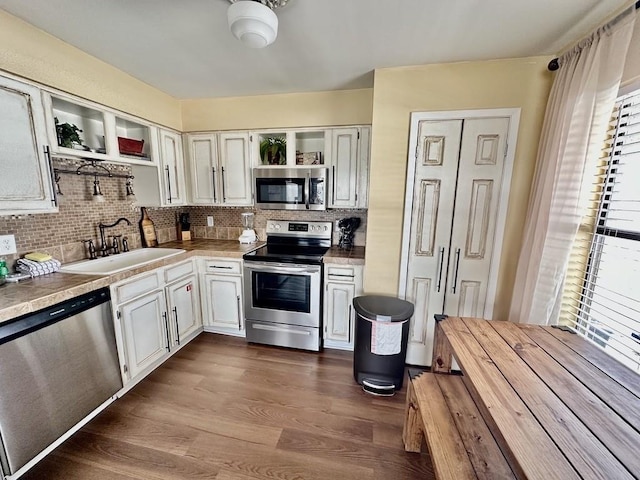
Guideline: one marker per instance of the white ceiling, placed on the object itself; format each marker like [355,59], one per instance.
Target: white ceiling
[184,47]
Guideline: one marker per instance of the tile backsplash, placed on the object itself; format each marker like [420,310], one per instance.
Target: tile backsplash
[61,234]
[228,224]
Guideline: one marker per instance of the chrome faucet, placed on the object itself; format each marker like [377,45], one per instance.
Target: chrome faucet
[104,248]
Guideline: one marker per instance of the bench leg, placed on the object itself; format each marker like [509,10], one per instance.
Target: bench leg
[442,353]
[412,432]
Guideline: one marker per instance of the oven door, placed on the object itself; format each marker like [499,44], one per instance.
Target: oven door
[283,293]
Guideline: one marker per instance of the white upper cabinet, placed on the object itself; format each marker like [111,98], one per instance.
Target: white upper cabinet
[344,151]
[100,133]
[288,148]
[172,168]
[349,167]
[202,157]
[235,168]
[220,168]
[26,171]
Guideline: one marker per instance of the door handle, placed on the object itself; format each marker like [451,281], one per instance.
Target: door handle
[166,328]
[439,268]
[175,314]
[349,324]
[333,184]
[455,274]
[215,193]
[224,194]
[239,319]
[168,182]
[213,176]
[52,173]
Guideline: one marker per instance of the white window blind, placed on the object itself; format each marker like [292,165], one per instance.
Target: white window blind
[601,299]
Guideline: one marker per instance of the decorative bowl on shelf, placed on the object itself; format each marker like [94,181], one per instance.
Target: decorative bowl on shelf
[130,146]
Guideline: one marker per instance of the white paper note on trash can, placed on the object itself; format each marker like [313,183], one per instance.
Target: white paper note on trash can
[386,337]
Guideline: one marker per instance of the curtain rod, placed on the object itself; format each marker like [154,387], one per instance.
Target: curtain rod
[554,65]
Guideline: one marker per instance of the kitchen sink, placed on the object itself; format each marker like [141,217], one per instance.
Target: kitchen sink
[120,262]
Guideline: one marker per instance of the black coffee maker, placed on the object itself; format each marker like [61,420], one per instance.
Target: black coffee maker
[348,227]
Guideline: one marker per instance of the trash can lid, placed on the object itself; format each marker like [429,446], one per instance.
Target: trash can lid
[384,309]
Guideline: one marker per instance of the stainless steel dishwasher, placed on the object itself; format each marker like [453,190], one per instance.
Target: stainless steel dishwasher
[57,366]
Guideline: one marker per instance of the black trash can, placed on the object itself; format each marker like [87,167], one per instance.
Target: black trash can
[380,348]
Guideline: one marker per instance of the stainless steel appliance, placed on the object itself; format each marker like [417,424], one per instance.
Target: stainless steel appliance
[283,285]
[58,365]
[290,188]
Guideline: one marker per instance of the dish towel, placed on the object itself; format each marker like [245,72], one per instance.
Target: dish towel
[386,338]
[37,268]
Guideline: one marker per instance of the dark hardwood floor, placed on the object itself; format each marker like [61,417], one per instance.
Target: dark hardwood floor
[221,409]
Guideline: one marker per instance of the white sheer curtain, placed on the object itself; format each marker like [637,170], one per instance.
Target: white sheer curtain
[579,107]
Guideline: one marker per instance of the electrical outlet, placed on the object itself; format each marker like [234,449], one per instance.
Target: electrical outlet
[7,244]
[209,221]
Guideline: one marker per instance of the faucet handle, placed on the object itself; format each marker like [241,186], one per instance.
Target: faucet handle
[92,249]
[125,244]
[115,243]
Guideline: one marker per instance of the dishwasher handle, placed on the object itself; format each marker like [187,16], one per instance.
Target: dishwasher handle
[35,321]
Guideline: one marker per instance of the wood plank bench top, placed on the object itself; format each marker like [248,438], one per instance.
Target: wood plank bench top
[441,411]
[557,406]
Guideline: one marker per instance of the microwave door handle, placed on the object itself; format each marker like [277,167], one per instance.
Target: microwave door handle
[307,189]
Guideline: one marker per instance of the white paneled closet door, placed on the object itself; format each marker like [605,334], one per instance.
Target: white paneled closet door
[456,183]
[482,155]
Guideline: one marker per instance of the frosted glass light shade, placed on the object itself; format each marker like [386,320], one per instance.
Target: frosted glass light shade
[253,23]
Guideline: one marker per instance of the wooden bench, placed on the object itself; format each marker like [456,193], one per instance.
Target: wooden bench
[556,406]
[441,411]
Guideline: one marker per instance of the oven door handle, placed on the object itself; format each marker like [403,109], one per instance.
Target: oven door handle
[278,269]
[275,328]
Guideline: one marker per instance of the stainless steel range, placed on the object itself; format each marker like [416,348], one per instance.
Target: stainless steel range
[283,285]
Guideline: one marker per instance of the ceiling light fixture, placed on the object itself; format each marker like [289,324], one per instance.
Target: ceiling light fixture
[254,22]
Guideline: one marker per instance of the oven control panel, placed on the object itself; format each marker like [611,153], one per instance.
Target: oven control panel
[299,229]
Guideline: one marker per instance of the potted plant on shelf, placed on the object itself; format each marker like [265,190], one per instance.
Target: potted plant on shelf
[273,151]
[67,134]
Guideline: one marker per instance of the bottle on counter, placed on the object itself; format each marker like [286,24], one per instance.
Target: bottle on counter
[147,230]
[4,271]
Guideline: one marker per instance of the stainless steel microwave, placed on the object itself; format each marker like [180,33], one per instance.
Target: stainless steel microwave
[290,188]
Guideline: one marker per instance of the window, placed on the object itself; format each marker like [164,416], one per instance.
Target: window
[601,299]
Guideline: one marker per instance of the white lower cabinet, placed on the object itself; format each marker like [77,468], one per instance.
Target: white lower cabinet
[222,296]
[155,312]
[342,283]
[184,308]
[146,334]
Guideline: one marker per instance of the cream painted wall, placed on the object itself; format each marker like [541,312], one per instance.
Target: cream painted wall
[523,83]
[343,107]
[33,54]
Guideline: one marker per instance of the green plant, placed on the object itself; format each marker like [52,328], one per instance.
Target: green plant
[67,134]
[273,151]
